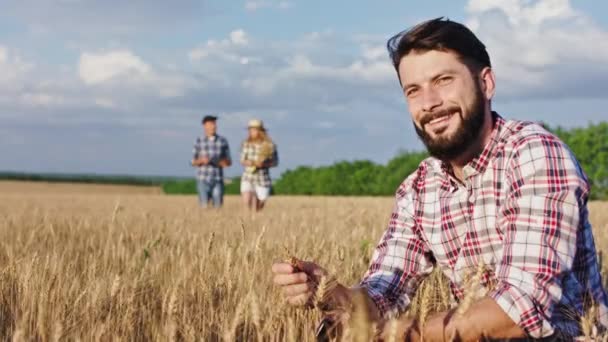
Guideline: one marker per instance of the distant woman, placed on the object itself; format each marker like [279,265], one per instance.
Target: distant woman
[258,154]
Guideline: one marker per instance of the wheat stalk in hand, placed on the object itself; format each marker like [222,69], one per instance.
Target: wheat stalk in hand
[266,150]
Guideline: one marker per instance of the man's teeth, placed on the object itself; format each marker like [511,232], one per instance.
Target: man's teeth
[441,118]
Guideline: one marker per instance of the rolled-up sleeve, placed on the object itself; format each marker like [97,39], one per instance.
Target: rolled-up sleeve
[540,220]
[225,151]
[398,261]
[196,150]
[244,152]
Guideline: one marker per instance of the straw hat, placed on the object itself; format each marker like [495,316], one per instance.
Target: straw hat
[255,123]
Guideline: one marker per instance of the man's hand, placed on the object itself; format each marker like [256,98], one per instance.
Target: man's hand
[247,163]
[438,328]
[200,161]
[298,285]
[225,163]
[401,329]
[485,319]
[442,327]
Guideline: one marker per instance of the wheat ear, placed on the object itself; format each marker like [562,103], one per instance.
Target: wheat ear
[471,290]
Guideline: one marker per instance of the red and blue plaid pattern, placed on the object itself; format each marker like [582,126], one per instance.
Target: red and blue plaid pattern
[521,210]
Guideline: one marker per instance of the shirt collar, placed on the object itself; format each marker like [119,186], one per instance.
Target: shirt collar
[481,161]
[211,138]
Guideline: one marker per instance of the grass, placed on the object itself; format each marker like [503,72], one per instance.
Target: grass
[137,266]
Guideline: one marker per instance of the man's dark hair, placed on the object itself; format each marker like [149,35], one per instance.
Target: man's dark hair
[442,35]
[208,118]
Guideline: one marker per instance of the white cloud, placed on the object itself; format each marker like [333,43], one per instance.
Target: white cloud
[229,49]
[198,54]
[324,83]
[525,12]
[543,48]
[238,37]
[285,4]
[104,102]
[3,55]
[326,124]
[375,52]
[336,108]
[301,74]
[241,72]
[42,99]
[103,18]
[118,81]
[360,71]
[99,68]
[12,67]
[254,5]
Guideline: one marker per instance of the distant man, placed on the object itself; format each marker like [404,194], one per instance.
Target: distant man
[211,156]
[502,193]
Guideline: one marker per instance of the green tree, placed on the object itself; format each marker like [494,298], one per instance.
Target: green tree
[590,146]
[356,178]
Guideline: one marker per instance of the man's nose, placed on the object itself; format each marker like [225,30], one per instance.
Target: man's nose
[431,100]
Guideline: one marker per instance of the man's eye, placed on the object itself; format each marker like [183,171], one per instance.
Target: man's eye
[411,92]
[444,80]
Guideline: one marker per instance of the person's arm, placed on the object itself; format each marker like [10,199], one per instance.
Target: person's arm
[197,160]
[485,319]
[400,259]
[398,262]
[274,160]
[245,155]
[225,160]
[195,151]
[546,193]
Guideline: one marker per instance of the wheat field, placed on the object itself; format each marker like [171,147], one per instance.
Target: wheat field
[90,264]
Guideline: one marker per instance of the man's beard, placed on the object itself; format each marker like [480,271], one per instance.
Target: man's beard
[467,134]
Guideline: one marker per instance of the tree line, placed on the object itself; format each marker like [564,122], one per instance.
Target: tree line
[85,178]
[359,178]
[590,146]
[365,178]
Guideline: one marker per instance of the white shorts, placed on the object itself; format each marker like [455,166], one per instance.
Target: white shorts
[261,192]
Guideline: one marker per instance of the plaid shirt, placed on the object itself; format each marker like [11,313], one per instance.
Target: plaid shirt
[216,149]
[521,210]
[261,176]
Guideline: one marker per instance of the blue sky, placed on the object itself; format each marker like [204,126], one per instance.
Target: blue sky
[109,86]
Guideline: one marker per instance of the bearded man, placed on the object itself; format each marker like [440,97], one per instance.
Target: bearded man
[503,193]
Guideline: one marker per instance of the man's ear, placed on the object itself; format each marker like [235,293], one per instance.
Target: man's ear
[487,81]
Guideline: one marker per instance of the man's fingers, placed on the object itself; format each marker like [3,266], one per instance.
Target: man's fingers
[282,267]
[295,283]
[298,300]
[296,290]
[290,279]
[312,268]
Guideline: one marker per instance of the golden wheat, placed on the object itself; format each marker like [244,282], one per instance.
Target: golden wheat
[471,290]
[96,265]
